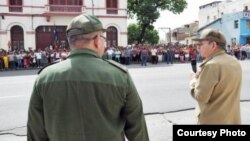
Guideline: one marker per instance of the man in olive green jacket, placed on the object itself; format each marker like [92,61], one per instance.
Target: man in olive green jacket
[217,85]
[85,98]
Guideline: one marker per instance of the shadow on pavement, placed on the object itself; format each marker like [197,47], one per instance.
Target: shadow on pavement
[18,72]
[149,65]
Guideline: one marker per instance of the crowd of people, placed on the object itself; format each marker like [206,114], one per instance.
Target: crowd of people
[240,52]
[142,54]
[27,59]
[139,54]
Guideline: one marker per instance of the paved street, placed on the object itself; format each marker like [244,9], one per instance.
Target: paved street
[163,89]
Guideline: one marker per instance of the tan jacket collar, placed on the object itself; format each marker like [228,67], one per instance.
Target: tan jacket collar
[211,57]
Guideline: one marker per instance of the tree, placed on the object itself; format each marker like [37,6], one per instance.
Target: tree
[151,35]
[148,11]
[133,33]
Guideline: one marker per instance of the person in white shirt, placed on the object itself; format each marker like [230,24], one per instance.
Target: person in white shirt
[154,55]
[19,60]
[38,58]
[110,53]
[117,54]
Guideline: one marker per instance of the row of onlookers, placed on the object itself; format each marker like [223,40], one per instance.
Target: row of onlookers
[17,60]
[153,54]
[141,54]
[166,53]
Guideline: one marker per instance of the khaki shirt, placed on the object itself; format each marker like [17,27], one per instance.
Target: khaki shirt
[85,98]
[216,88]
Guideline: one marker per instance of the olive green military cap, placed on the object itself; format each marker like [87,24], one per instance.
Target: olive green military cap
[212,35]
[84,24]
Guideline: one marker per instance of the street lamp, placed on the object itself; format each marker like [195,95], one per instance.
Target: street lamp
[92,7]
[169,32]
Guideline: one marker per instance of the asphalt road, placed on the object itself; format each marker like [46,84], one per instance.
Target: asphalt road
[165,88]
[162,88]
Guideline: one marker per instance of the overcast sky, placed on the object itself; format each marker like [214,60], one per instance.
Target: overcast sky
[190,14]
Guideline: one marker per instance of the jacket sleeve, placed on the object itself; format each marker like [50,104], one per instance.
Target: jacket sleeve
[135,127]
[35,126]
[203,85]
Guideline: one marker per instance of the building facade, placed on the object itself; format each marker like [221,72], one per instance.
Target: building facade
[210,12]
[38,24]
[235,27]
[183,34]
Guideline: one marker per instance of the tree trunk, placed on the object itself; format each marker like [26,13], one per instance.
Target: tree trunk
[143,29]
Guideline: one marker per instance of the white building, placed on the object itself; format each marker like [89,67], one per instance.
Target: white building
[235,26]
[39,23]
[183,34]
[212,11]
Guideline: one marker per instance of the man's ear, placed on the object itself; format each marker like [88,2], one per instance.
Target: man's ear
[214,45]
[96,42]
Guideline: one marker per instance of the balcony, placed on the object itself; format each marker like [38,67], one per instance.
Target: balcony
[64,8]
[112,10]
[15,8]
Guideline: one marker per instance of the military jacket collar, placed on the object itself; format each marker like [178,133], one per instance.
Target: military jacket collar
[82,51]
[211,57]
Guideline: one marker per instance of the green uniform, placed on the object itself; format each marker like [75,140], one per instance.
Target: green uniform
[85,98]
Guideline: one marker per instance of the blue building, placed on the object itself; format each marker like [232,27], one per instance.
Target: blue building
[235,27]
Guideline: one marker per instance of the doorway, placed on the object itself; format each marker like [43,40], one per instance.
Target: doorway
[112,37]
[17,40]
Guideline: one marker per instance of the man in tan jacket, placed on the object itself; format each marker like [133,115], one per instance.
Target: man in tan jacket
[217,85]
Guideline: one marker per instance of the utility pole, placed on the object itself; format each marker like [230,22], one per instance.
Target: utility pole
[177,32]
[93,5]
[169,32]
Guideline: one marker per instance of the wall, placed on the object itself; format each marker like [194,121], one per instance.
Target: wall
[245,30]
[226,26]
[39,7]
[216,10]
[118,20]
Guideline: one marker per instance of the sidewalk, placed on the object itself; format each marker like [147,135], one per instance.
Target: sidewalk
[159,125]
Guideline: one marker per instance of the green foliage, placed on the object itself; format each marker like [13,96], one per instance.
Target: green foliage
[133,33]
[148,11]
[151,35]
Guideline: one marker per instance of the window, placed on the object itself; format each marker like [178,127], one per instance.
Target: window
[233,41]
[66,5]
[15,5]
[112,6]
[236,24]
[248,23]
[65,2]
[208,19]
[248,40]
[246,8]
